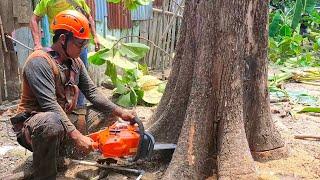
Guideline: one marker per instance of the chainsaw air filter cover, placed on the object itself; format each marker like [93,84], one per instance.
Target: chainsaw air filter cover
[122,140]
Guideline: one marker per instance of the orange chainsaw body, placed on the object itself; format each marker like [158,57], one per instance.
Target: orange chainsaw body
[121,140]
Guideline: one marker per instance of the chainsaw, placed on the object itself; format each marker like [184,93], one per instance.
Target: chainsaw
[126,140]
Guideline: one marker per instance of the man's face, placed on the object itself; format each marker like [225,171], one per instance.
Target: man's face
[75,46]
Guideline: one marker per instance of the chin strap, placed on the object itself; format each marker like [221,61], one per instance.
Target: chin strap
[65,45]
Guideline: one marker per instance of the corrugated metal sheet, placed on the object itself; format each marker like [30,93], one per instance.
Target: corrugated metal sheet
[100,28]
[142,13]
[23,35]
[101,10]
[119,17]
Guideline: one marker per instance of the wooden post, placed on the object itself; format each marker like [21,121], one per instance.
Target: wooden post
[2,80]
[10,57]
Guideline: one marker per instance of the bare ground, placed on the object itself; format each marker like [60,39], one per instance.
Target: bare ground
[303,161]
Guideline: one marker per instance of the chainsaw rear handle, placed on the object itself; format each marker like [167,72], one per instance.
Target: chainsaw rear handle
[136,120]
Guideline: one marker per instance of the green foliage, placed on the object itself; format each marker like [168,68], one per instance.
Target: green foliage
[287,45]
[302,7]
[275,25]
[134,51]
[132,84]
[310,109]
[131,4]
[294,42]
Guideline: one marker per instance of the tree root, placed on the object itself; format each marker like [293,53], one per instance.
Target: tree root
[251,176]
[273,154]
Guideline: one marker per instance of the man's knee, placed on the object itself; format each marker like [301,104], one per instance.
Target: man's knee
[48,124]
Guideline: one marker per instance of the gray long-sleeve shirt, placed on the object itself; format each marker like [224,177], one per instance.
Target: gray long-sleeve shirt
[41,81]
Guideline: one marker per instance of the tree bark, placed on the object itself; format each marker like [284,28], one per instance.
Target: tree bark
[261,131]
[202,107]
[176,96]
[233,148]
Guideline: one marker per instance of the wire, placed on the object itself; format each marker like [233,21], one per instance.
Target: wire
[27,47]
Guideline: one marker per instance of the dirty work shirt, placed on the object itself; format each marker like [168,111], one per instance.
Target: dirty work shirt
[52,7]
[41,81]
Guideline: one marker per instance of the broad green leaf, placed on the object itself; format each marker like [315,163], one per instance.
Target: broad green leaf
[131,4]
[309,5]
[152,96]
[105,42]
[162,87]
[143,2]
[133,97]
[140,94]
[298,9]
[143,68]
[318,41]
[124,100]
[95,58]
[111,71]
[148,82]
[124,51]
[120,88]
[134,51]
[285,30]
[310,109]
[132,74]
[121,62]
[114,1]
[275,24]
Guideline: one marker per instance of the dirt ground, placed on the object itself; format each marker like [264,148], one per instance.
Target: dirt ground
[303,161]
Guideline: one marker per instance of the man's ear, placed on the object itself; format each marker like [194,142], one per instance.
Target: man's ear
[62,38]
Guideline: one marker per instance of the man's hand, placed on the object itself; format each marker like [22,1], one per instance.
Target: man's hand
[84,143]
[96,43]
[38,47]
[125,114]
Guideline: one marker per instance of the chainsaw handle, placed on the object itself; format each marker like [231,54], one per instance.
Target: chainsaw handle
[136,120]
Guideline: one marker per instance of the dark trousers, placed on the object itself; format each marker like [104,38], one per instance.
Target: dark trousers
[49,140]
[46,132]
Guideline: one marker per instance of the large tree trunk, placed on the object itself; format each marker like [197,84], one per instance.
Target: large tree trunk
[172,107]
[261,132]
[203,106]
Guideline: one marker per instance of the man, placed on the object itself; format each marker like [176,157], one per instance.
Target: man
[50,83]
[51,8]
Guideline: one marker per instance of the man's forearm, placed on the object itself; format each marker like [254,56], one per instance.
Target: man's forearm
[34,26]
[93,26]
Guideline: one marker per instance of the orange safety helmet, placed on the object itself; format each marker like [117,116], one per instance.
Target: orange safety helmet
[73,21]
